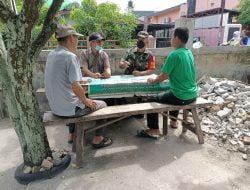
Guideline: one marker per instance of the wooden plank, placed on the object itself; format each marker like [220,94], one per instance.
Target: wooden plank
[197,126]
[124,110]
[105,124]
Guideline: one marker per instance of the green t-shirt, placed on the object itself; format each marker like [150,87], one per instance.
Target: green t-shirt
[179,66]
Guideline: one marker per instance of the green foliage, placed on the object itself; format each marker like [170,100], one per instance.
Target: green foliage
[106,19]
[244,17]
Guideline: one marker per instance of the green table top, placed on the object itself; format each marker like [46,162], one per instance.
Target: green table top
[124,86]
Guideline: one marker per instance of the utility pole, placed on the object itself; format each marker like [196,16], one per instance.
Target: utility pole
[223,2]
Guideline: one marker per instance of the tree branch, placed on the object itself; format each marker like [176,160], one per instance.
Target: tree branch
[5,12]
[49,27]
[31,9]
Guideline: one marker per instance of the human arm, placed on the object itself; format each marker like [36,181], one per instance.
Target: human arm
[88,73]
[150,67]
[80,93]
[143,73]
[158,79]
[107,70]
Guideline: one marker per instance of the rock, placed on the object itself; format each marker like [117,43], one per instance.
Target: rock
[213,138]
[231,105]
[229,131]
[207,121]
[247,124]
[56,155]
[238,121]
[210,90]
[248,150]
[62,177]
[212,81]
[219,101]
[231,98]
[224,138]
[246,140]
[35,169]
[247,88]
[244,156]
[215,108]
[220,91]
[239,85]
[230,84]
[49,159]
[233,142]
[225,95]
[27,169]
[224,113]
[57,162]
[47,164]
[248,117]
[206,86]
[236,136]
[241,147]
[42,170]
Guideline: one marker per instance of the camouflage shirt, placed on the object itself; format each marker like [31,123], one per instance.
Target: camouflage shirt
[139,61]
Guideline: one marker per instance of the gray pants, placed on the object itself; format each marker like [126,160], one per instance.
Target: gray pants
[81,112]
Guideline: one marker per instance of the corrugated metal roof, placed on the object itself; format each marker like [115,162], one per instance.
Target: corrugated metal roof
[143,13]
[166,10]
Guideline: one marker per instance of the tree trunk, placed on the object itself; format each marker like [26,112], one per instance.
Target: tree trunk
[16,76]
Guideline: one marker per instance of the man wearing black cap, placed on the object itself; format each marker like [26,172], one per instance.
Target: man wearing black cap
[94,61]
[139,61]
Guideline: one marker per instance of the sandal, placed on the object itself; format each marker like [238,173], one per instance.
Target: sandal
[106,141]
[144,134]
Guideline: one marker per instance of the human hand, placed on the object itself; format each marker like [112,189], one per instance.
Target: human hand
[85,81]
[106,75]
[97,75]
[150,81]
[136,73]
[125,64]
[90,103]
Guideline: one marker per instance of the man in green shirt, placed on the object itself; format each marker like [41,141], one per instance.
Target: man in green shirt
[179,69]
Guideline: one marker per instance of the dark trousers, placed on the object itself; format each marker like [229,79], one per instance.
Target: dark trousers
[81,112]
[165,98]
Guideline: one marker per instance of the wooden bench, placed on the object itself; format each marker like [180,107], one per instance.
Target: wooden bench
[123,111]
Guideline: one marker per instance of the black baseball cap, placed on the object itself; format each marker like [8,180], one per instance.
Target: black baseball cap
[142,34]
[96,36]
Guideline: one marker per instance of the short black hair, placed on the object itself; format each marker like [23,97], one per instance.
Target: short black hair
[182,33]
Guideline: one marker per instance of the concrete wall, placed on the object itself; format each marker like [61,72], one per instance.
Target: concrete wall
[224,61]
[229,62]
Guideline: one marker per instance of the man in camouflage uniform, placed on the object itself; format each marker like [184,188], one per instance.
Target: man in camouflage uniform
[139,61]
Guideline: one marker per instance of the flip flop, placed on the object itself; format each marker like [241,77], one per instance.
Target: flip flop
[107,141]
[144,134]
